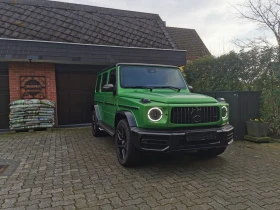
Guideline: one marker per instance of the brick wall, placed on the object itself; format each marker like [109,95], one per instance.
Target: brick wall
[18,69]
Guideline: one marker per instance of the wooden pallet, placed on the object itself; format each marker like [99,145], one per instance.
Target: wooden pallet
[30,130]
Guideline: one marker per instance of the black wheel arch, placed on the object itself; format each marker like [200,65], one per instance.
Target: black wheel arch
[96,109]
[125,115]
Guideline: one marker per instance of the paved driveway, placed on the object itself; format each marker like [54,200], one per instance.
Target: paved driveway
[68,169]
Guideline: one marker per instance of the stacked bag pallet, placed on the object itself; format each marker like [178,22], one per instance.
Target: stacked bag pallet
[31,114]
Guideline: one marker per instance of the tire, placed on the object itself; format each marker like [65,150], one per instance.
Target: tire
[127,154]
[96,132]
[211,152]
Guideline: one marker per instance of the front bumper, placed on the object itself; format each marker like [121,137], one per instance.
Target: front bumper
[182,139]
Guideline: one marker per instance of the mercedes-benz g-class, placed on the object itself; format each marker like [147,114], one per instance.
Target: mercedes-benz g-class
[151,108]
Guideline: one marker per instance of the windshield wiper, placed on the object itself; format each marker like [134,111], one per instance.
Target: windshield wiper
[140,87]
[169,87]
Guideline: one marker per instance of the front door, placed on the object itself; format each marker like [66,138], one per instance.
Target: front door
[110,101]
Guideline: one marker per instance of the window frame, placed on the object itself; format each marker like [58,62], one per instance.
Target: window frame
[98,83]
[110,73]
[183,79]
[102,80]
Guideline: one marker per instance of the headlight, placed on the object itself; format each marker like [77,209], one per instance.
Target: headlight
[155,114]
[224,112]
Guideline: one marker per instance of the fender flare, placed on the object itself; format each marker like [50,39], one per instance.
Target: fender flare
[96,109]
[130,118]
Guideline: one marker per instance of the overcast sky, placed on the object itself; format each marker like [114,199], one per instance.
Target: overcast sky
[214,20]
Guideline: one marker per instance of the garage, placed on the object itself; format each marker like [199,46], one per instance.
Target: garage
[62,60]
[75,91]
[4,96]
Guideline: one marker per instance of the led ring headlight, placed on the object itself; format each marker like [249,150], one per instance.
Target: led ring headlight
[155,114]
[224,112]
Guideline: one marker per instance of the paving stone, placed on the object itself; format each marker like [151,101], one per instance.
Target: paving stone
[9,202]
[107,207]
[69,169]
[151,201]
[133,202]
[165,207]
[62,203]
[44,203]
[81,203]
[143,206]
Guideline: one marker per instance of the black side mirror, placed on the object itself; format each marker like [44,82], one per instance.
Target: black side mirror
[108,88]
[190,88]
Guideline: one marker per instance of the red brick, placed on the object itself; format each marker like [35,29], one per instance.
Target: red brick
[18,69]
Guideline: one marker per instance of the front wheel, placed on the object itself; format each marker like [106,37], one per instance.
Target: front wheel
[126,152]
[211,152]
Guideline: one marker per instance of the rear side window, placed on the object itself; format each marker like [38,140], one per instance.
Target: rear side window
[104,79]
[97,87]
[112,78]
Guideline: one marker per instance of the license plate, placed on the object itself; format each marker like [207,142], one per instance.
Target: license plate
[200,136]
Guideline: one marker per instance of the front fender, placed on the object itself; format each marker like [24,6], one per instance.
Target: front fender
[129,116]
[96,109]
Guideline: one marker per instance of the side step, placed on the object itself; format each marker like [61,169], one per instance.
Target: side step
[107,129]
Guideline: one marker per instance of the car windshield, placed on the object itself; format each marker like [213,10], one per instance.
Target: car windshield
[151,77]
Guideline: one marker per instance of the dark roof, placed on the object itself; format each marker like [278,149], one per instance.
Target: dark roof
[188,39]
[71,53]
[65,22]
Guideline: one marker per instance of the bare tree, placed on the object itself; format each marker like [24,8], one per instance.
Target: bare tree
[266,13]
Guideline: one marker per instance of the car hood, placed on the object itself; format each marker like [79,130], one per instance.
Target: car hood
[171,97]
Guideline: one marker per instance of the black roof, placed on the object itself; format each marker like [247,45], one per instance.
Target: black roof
[64,22]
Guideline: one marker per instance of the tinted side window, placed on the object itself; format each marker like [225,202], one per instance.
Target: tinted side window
[104,79]
[112,78]
[97,87]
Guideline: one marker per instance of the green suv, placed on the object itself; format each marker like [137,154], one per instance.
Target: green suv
[150,108]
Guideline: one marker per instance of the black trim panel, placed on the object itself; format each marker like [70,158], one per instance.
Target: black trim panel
[101,102]
[183,139]
[130,118]
[107,128]
[110,104]
[128,107]
[96,108]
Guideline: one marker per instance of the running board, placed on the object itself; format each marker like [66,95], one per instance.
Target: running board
[107,129]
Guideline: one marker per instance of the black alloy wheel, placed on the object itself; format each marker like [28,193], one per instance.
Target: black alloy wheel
[127,154]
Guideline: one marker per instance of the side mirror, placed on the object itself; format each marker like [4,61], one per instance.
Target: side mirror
[221,100]
[190,88]
[108,88]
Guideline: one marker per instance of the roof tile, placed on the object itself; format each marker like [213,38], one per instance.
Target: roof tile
[56,21]
[188,39]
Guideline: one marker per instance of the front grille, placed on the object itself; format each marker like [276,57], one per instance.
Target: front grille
[193,115]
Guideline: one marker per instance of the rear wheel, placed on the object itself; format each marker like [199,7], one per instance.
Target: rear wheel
[211,152]
[126,152]
[96,132]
